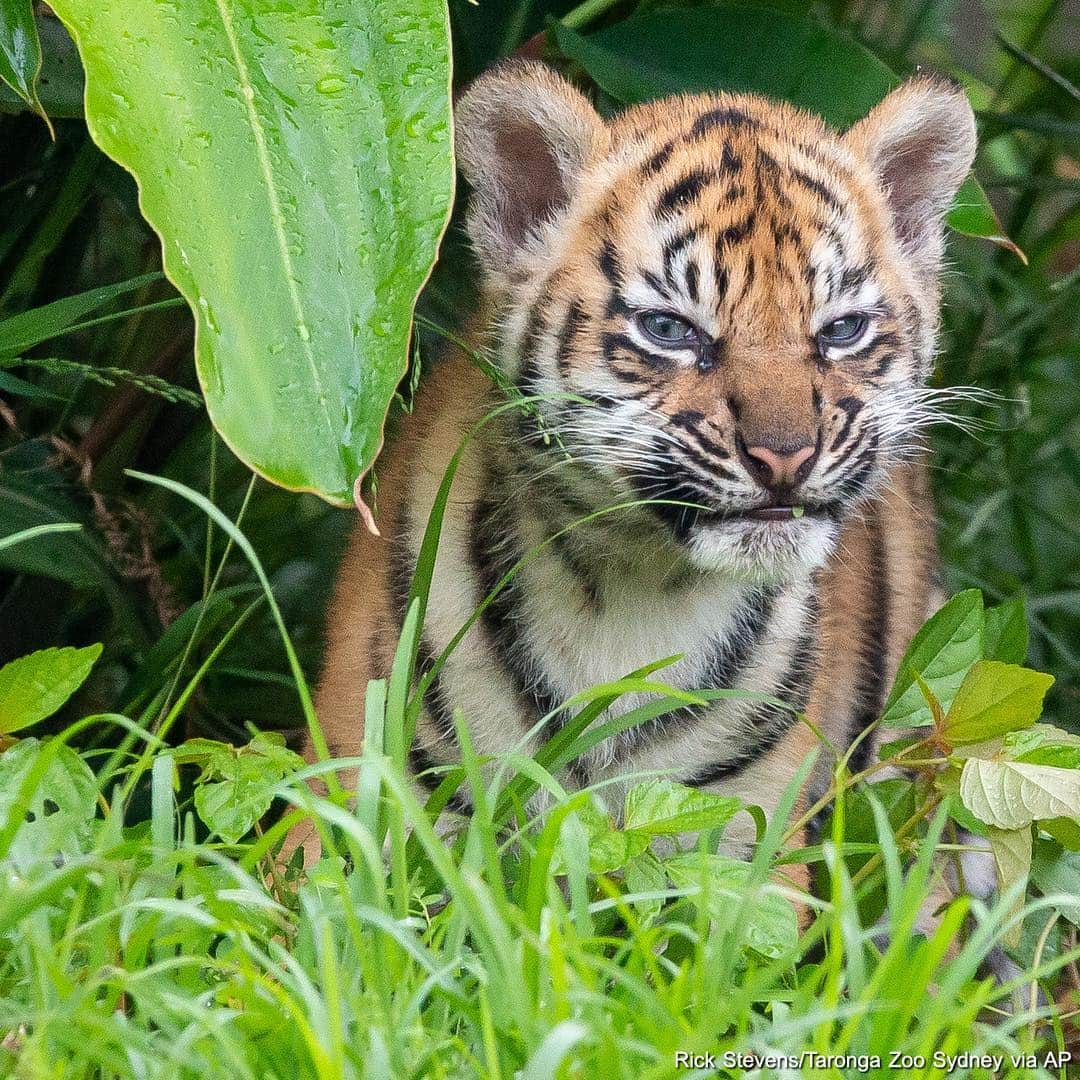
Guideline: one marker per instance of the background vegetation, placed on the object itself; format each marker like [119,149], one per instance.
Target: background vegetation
[172,959]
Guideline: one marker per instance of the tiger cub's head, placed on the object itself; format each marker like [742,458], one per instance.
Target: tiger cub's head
[722,301]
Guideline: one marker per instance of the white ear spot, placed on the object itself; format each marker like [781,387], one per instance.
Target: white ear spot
[920,143]
[524,135]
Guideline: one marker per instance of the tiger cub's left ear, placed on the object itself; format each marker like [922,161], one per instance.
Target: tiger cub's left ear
[523,136]
[920,143]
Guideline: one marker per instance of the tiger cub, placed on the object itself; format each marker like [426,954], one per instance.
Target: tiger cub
[723,313]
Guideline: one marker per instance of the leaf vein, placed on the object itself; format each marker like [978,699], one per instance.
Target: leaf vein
[247,92]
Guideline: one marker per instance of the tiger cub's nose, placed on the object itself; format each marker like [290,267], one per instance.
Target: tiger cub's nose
[778,469]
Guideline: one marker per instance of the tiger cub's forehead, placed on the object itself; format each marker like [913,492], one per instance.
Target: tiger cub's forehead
[732,207]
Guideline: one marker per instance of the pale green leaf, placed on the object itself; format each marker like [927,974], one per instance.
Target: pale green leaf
[994,699]
[60,817]
[662,807]
[35,686]
[1011,849]
[1013,794]
[295,159]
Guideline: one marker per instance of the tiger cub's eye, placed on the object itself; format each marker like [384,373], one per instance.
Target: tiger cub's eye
[666,329]
[843,331]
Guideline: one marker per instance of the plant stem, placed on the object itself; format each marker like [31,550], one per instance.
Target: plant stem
[875,860]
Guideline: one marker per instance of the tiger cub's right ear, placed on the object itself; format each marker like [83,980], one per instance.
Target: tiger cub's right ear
[523,136]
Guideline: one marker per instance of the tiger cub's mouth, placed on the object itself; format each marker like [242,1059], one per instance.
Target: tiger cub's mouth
[780,513]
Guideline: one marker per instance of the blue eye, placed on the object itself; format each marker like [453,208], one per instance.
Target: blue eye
[843,331]
[666,329]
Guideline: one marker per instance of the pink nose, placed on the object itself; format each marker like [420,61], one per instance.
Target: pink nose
[775,470]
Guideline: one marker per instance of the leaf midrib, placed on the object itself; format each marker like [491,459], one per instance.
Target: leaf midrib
[247,92]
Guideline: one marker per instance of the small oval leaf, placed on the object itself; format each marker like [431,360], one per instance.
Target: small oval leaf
[35,686]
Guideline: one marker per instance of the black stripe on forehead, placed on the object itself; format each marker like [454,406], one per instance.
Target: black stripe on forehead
[735,233]
[655,284]
[731,116]
[839,258]
[691,276]
[854,277]
[682,192]
[671,249]
[784,232]
[609,264]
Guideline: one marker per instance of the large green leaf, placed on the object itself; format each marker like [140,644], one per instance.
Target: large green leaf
[295,159]
[748,48]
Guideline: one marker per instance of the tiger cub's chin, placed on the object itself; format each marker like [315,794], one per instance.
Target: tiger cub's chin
[707,302]
[764,551]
